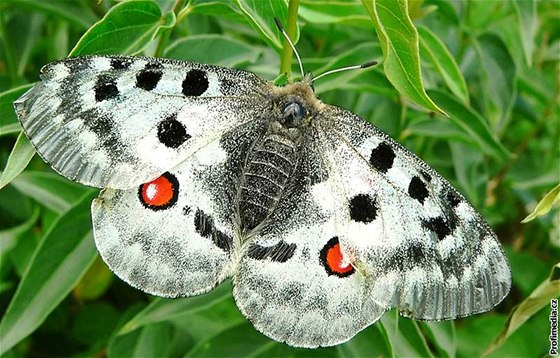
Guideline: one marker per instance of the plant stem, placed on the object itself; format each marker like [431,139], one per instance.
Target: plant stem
[177,9]
[286,59]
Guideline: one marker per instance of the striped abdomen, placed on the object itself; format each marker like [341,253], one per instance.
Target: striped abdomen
[269,166]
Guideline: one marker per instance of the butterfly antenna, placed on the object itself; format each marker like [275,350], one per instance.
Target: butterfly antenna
[285,34]
[355,67]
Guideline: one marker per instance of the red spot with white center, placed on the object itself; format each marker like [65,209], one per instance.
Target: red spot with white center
[334,261]
[160,193]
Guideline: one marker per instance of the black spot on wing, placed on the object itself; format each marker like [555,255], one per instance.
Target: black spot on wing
[99,123]
[204,225]
[149,77]
[453,198]
[171,132]
[105,88]
[120,63]
[440,226]
[382,157]
[281,252]
[417,189]
[426,176]
[195,83]
[363,208]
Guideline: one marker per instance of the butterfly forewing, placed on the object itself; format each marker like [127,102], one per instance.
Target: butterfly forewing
[121,121]
[427,250]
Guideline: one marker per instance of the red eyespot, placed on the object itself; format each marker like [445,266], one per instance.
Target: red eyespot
[334,262]
[160,193]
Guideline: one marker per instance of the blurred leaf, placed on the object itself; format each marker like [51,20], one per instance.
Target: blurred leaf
[8,236]
[95,282]
[368,78]
[7,98]
[154,340]
[539,298]
[126,29]
[51,190]
[442,336]
[162,309]
[238,341]
[64,254]
[498,76]
[325,12]
[545,205]
[213,49]
[94,323]
[260,15]
[527,26]
[371,342]
[437,127]
[472,123]
[223,8]
[21,155]
[404,336]
[444,63]
[399,40]
[75,12]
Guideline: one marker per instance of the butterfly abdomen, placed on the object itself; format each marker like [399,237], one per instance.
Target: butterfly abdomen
[268,168]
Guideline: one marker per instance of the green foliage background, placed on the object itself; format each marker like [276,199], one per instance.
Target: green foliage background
[491,66]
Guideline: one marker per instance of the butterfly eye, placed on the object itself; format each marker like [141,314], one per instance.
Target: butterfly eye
[293,115]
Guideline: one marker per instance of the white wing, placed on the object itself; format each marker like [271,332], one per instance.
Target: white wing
[117,122]
[423,246]
[285,282]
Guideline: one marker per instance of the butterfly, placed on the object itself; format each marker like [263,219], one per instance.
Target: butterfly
[321,220]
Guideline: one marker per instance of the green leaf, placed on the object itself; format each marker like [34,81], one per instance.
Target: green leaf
[21,155]
[95,282]
[8,117]
[154,340]
[165,309]
[213,49]
[370,78]
[442,337]
[545,205]
[444,63]
[539,298]
[405,336]
[62,257]
[238,341]
[260,15]
[51,190]
[472,123]
[371,342]
[399,40]
[75,12]
[326,12]
[128,28]
[527,26]
[498,77]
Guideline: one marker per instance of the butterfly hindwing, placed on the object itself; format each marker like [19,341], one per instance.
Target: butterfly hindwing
[426,249]
[109,121]
[166,237]
[291,281]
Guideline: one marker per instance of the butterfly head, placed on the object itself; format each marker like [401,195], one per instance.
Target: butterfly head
[297,104]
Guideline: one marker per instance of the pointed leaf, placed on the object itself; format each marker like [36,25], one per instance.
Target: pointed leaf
[162,309]
[128,28]
[20,156]
[541,297]
[399,40]
[444,63]
[64,254]
[544,206]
